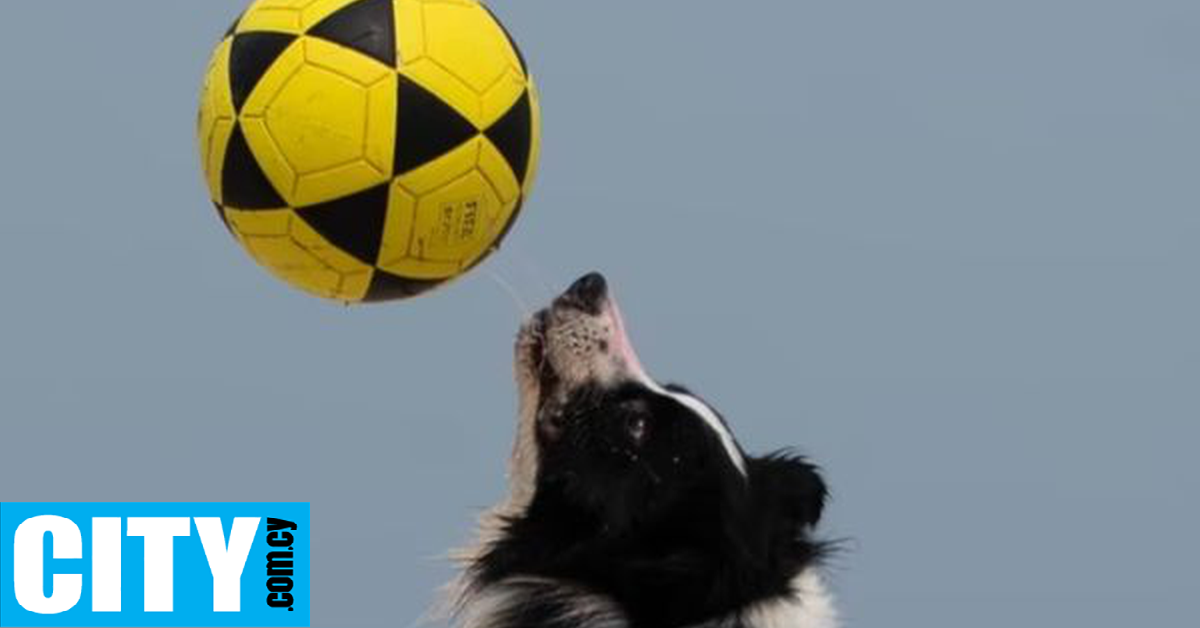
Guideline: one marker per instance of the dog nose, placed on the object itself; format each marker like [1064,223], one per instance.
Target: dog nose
[587,292]
[590,287]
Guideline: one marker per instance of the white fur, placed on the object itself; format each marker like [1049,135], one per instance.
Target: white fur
[811,607]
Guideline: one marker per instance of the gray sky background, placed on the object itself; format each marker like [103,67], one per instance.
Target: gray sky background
[947,248]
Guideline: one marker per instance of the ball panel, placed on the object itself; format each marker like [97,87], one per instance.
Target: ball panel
[512,135]
[281,16]
[251,57]
[263,166]
[516,50]
[379,149]
[434,79]
[318,120]
[451,226]
[336,182]
[331,254]
[454,223]
[273,78]
[464,39]
[427,270]
[213,143]
[365,26]
[426,127]
[295,253]
[355,67]
[501,97]
[316,11]
[398,229]
[410,31]
[244,185]
[216,98]
[353,223]
[434,174]
[215,123]
[494,167]
[287,16]
[287,260]
[260,223]
[388,287]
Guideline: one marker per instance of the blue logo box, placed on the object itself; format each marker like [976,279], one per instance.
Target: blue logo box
[76,565]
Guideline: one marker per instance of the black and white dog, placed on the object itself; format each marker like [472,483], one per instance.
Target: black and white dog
[631,504]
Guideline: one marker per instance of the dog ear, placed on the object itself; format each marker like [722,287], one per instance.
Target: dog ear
[789,486]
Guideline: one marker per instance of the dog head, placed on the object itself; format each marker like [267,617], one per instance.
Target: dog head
[635,490]
[609,437]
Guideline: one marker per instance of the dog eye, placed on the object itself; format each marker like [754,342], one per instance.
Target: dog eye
[637,426]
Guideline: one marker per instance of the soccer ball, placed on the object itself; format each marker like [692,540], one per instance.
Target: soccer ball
[368,150]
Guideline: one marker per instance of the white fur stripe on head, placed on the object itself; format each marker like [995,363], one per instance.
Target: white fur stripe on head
[711,419]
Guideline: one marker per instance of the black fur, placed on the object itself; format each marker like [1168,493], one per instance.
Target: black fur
[638,503]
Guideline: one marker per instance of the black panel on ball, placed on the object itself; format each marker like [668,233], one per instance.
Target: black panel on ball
[513,136]
[388,287]
[368,26]
[353,223]
[250,57]
[244,185]
[426,127]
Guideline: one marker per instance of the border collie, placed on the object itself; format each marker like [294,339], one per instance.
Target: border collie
[631,504]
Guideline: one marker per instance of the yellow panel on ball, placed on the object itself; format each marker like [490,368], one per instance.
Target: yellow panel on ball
[321,122]
[292,251]
[314,12]
[437,172]
[217,117]
[288,16]
[454,222]
[260,223]
[501,96]
[281,16]
[467,41]
[398,229]
[410,30]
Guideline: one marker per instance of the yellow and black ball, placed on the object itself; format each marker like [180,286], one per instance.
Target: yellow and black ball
[368,150]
